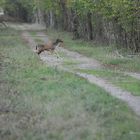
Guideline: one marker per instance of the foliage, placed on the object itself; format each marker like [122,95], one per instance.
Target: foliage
[122,14]
[2,2]
[22,9]
[110,21]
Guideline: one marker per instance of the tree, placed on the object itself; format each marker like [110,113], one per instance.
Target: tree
[104,21]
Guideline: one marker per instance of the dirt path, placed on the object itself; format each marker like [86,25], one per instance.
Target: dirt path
[75,60]
[92,64]
[79,60]
[23,26]
[72,60]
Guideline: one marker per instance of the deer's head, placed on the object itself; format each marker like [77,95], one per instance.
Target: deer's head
[58,42]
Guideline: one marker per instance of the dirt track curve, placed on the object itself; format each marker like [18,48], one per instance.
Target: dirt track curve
[78,61]
[82,62]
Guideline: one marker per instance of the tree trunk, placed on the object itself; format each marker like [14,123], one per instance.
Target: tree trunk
[64,14]
[75,25]
[90,29]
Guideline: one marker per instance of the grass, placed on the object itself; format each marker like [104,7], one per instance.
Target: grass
[107,55]
[119,79]
[33,33]
[123,81]
[38,102]
[70,62]
[39,41]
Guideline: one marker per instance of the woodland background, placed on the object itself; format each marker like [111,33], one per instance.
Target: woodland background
[102,21]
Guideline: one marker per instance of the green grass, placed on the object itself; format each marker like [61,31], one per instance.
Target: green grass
[39,103]
[33,33]
[69,62]
[36,38]
[39,41]
[105,54]
[119,79]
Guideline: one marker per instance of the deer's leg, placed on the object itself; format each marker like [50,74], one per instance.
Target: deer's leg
[39,51]
[51,51]
[58,56]
[4,24]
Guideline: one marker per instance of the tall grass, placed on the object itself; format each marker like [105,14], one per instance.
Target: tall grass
[38,102]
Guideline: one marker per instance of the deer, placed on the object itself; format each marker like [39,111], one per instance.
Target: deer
[49,46]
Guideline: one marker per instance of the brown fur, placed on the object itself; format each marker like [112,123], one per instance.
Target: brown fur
[49,46]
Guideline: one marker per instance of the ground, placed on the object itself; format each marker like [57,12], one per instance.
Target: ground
[51,98]
[74,62]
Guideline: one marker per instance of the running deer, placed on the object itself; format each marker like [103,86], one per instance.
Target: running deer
[49,46]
